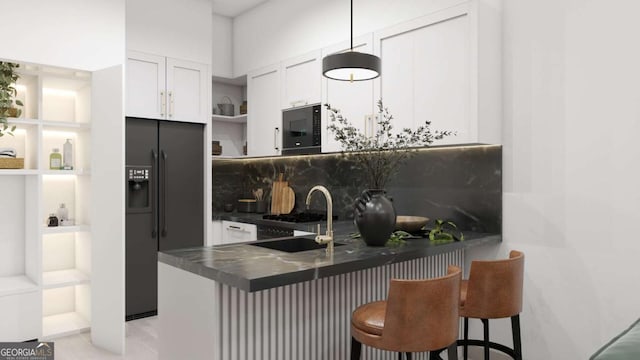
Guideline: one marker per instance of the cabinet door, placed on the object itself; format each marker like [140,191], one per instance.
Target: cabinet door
[236,232]
[353,99]
[181,185]
[425,73]
[187,95]
[145,89]
[264,122]
[301,80]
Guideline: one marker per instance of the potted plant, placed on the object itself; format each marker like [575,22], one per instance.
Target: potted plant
[8,78]
[379,157]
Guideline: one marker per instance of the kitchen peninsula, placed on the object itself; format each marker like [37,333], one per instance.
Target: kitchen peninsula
[244,301]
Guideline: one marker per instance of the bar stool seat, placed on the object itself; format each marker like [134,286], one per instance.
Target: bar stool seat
[370,317]
[418,316]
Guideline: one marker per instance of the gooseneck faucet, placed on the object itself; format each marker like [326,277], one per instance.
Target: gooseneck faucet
[328,237]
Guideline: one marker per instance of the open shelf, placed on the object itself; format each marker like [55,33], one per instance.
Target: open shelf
[64,229]
[16,172]
[61,278]
[66,172]
[12,285]
[65,125]
[238,119]
[63,324]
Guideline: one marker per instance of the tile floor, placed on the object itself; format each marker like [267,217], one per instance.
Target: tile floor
[141,344]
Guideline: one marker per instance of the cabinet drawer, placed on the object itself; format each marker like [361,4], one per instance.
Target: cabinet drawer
[235,232]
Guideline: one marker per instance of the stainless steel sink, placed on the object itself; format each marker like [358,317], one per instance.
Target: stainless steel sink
[293,245]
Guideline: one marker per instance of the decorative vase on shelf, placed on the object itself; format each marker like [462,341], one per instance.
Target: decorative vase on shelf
[375,217]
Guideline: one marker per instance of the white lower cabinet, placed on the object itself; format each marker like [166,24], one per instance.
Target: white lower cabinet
[215,236]
[237,232]
[21,316]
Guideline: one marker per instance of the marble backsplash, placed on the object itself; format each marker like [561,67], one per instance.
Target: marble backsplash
[458,183]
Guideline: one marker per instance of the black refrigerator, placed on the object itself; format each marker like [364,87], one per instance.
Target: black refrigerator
[164,199]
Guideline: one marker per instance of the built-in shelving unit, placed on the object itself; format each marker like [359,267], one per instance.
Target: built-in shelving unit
[46,270]
[229,131]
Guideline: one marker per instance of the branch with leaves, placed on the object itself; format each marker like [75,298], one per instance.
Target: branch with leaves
[8,92]
[381,155]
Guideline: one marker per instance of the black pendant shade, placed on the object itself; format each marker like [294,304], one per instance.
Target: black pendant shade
[351,65]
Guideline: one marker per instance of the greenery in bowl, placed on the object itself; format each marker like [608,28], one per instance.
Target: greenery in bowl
[382,154]
[8,78]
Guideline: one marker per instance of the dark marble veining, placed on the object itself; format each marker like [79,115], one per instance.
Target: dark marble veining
[252,268]
[459,183]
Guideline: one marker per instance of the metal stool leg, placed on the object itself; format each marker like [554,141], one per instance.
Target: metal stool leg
[485,324]
[356,349]
[517,342]
[452,351]
[466,338]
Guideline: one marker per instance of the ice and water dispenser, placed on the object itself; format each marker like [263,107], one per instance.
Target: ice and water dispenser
[139,189]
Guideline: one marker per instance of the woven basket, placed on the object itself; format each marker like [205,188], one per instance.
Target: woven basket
[11,163]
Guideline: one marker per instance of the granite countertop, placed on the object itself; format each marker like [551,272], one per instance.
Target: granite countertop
[252,268]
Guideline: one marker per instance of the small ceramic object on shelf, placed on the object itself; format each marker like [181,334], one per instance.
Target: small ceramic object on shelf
[52,221]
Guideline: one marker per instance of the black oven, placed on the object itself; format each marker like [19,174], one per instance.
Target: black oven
[301,130]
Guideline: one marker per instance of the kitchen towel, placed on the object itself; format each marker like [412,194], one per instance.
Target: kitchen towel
[7,152]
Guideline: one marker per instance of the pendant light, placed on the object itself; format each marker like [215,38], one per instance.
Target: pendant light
[351,65]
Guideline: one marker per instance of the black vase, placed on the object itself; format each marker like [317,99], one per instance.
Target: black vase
[375,217]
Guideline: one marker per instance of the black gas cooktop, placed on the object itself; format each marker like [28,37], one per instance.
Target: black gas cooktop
[300,217]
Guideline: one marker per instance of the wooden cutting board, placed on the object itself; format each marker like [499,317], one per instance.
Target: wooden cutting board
[288,200]
[283,198]
[277,190]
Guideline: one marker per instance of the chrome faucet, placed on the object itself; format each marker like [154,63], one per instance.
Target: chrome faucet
[328,237]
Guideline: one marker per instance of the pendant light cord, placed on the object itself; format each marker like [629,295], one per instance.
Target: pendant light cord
[351,25]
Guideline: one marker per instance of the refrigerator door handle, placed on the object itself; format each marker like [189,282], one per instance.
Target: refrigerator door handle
[164,193]
[154,196]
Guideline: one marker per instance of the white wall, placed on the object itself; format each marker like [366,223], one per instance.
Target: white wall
[571,175]
[281,29]
[178,29]
[79,34]
[222,64]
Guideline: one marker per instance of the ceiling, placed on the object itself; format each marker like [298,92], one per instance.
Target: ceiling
[233,8]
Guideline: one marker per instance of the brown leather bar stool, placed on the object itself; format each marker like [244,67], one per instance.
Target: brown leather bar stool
[493,291]
[418,316]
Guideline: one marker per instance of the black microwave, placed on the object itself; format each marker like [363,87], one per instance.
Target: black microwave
[301,130]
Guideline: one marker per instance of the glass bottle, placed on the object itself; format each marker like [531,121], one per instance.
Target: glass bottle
[55,160]
[67,155]
[63,214]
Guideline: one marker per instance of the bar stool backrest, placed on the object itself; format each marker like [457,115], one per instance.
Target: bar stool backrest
[422,315]
[495,288]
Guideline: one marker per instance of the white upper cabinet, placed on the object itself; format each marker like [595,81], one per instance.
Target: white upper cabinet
[166,88]
[187,91]
[145,89]
[430,71]
[301,80]
[353,99]
[264,122]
